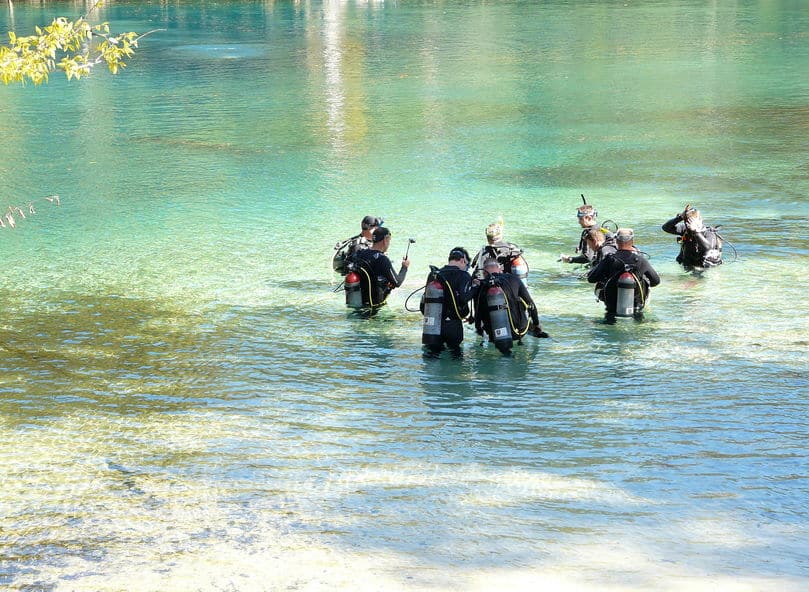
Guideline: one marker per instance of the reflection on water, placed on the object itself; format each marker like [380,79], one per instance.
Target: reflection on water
[224,51]
[186,404]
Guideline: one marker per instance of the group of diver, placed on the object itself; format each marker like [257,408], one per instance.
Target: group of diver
[490,290]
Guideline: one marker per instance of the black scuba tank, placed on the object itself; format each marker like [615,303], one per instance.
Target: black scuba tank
[433,313]
[500,333]
[625,303]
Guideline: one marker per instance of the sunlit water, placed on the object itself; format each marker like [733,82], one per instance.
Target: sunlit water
[186,404]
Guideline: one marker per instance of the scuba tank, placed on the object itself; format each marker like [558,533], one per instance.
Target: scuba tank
[520,268]
[352,289]
[625,305]
[713,256]
[339,262]
[433,312]
[498,318]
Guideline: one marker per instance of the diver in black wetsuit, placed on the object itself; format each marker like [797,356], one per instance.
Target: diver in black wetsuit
[700,245]
[496,248]
[602,244]
[377,278]
[351,246]
[520,304]
[585,255]
[457,292]
[626,258]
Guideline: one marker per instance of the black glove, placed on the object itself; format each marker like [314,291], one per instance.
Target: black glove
[539,333]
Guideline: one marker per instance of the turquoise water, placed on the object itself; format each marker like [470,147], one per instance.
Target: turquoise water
[186,405]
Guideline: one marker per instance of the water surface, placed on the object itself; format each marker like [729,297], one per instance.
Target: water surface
[185,404]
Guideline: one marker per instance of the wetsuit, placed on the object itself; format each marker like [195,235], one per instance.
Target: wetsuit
[608,247]
[455,307]
[377,278]
[614,265]
[346,251]
[504,252]
[519,303]
[698,248]
[586,255]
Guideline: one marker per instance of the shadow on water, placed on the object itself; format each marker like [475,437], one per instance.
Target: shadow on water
[118,354]
[622,330]
[448,382]
[482,378]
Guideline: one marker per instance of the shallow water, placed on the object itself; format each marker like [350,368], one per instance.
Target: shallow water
[185,404]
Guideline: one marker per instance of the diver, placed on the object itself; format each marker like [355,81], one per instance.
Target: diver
[377,278]
[602,244]
[625,276]
[700,245]
[445,303]
[351,246]
[587,217]
[507,254]
[504,308]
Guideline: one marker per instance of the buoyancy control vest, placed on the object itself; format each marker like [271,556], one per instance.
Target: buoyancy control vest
[704,250]
[508,255]
[374,289]
[345,252]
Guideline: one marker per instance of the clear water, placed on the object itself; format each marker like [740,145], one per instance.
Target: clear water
[186,405]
